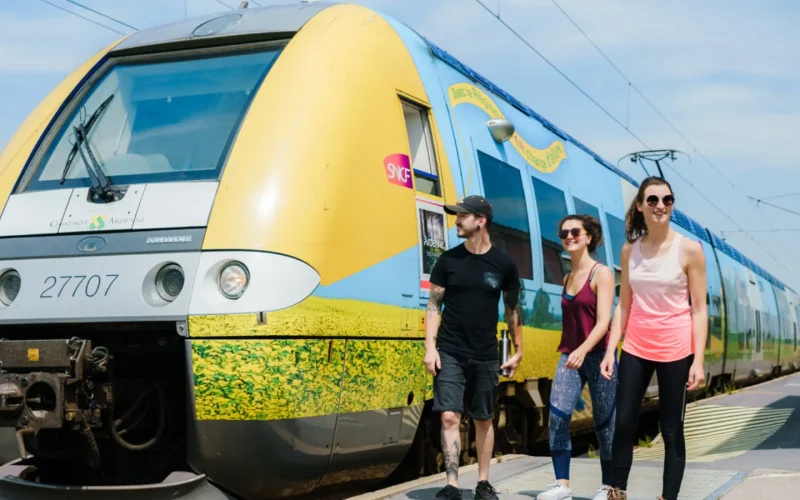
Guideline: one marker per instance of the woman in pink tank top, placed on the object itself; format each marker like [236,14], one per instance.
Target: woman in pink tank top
[664,334]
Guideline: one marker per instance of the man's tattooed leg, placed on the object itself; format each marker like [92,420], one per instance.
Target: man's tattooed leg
[451,452]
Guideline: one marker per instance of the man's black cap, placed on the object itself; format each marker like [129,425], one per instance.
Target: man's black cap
[474,204]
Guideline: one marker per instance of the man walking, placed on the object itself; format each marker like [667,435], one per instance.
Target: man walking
[464,358]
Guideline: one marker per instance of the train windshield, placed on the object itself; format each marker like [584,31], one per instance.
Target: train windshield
[155,121]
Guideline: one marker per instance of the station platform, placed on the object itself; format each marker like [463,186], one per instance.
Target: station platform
[743,445]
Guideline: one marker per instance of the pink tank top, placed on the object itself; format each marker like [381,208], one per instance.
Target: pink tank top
[660,320]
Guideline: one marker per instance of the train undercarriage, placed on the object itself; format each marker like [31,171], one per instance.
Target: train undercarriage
[106,407]
[95,406]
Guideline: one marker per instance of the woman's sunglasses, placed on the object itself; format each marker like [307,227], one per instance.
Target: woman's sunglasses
[668,200]
[575,232]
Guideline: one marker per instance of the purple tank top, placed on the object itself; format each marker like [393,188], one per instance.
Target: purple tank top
[579,315]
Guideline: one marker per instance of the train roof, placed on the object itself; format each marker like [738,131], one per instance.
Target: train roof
[680,218]
[262,23]
[283,21]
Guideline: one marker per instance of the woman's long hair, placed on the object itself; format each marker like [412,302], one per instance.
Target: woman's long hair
[634,219]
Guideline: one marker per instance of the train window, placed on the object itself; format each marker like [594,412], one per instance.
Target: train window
[581,207]
[552,207]
[758,331]
[714,319]
[741,323]
[616,238]
[420,141]
[510,229]
[160,120]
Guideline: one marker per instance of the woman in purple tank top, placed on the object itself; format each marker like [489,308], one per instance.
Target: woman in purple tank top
[586,304]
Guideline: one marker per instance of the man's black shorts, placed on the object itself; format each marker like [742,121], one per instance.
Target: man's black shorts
[466,381]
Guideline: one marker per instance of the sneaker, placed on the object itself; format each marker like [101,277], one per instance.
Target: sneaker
[485,491]
[603,493]
[449,492]
[556,491]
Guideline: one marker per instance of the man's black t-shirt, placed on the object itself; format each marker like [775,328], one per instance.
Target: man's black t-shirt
[472,284]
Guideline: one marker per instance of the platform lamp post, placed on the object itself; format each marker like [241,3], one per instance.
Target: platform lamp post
[654,155]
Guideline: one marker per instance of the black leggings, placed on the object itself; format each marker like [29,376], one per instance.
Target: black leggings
[634,376]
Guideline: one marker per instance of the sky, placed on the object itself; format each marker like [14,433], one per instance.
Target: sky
[721,74]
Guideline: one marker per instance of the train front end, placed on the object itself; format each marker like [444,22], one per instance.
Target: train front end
[106,192]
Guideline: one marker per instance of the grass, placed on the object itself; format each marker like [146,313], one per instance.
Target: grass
[592,451]
[646,442]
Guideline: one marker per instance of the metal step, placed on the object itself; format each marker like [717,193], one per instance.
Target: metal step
[178,485]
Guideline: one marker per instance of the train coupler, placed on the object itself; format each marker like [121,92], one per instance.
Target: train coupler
[53,384]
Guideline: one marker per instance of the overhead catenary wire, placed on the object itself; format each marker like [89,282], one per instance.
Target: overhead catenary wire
[82,17]
[783,247]
[223,3]
[780,196]
[681,135]
[667,121]
[690,184]
[610,115]
[631,85]
[776,230]
[103,15]
[578,87]
[762,202]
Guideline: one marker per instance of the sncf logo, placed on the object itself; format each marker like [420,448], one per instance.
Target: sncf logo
[398,170]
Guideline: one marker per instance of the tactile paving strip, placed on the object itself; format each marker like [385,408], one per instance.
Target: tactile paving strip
[715,432]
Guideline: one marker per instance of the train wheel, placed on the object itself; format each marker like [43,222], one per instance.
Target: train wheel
[532,429]
[432,461]
[424,458]
[509,427]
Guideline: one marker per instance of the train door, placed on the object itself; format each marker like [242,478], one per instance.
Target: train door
[376,440]
[429,195]
[753,304]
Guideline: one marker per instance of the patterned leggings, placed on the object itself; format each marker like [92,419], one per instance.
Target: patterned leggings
[567,387]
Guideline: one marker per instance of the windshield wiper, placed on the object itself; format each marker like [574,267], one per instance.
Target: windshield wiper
[101,184]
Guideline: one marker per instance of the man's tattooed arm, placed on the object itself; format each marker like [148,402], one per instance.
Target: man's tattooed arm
[433,314]
[436,299]
[514,317]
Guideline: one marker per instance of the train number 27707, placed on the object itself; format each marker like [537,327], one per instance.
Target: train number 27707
[86,285]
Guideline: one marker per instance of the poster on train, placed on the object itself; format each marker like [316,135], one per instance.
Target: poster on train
[433,246]
[432,240]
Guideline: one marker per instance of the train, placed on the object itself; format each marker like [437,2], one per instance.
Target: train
[216,238]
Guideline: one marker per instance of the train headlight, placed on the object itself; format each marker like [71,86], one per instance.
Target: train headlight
[10,283]
[233,279]
[169,282]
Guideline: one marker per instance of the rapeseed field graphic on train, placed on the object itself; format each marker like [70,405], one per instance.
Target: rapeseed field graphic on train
[269,210]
